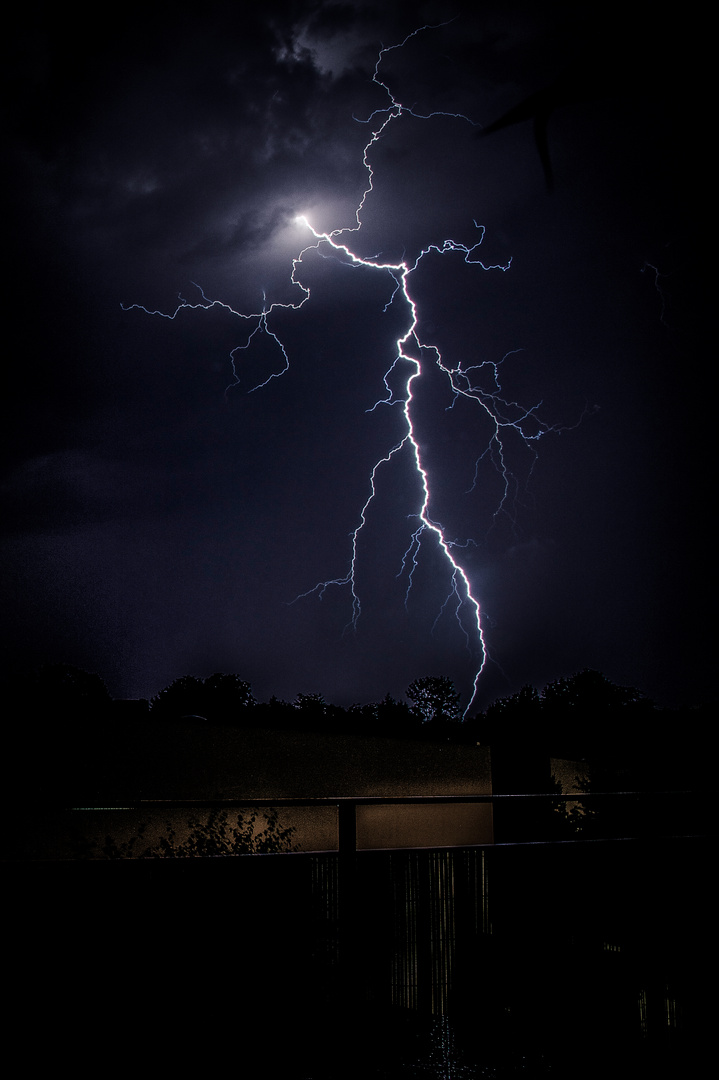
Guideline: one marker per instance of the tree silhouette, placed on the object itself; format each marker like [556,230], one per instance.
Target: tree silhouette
[313,713]
[220,698]
[61,688]
[573,818]
[587,716]
[394,717]
[227,697]
[434,699]
[512,718]
[311,703]
[576,716]
[183,697]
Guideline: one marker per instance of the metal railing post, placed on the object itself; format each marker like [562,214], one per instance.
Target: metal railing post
[348,907]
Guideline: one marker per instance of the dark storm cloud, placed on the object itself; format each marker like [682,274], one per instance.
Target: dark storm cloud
[161,135]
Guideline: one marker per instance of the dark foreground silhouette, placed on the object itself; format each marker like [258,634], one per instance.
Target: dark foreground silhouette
[558,961]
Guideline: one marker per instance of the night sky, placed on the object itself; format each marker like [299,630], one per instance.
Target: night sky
[160,514]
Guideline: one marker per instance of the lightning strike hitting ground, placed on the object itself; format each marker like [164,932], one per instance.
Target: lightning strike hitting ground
[417,357]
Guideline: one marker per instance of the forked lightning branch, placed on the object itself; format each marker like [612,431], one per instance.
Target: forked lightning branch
[414,357]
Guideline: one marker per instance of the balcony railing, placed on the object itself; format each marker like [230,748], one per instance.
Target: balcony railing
[525,941]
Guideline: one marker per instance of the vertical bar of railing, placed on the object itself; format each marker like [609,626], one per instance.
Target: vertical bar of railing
[348,908]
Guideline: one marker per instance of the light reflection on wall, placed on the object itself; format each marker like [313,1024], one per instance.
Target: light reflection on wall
[315,827]
[423,826]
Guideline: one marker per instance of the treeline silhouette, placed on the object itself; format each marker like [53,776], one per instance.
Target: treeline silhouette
[67,726]
[432,711]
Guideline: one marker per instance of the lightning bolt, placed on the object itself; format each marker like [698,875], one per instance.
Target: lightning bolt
[478,383]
